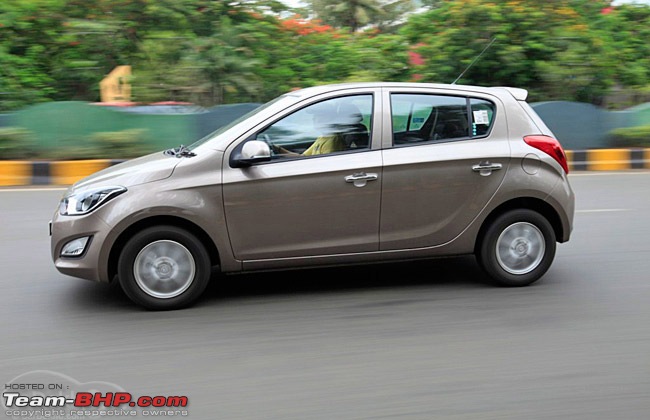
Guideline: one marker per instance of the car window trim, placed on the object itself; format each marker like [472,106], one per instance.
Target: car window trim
[468,104]
[373,94]
[470,117]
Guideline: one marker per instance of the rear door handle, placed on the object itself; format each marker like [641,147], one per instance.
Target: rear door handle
[486,168]
[361,178]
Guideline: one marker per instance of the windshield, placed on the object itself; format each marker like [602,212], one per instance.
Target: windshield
[233,123]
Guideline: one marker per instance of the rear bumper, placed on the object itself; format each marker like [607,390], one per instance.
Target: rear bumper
[562,198]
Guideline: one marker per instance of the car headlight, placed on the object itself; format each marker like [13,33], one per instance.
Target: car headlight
[86,201]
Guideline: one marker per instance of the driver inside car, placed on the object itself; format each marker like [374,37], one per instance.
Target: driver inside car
[329,141]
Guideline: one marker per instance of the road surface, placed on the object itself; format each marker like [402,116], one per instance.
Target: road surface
[420,340]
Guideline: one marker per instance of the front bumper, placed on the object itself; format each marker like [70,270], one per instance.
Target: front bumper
[89,265]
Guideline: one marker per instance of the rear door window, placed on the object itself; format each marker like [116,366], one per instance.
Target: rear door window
[422,118]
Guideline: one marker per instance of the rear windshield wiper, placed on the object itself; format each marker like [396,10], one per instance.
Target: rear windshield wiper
[179,152]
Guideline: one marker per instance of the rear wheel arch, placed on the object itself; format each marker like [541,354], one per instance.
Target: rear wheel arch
[528,203]
[518,247]
[140,225]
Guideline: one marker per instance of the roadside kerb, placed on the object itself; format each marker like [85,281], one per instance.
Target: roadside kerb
[21,173]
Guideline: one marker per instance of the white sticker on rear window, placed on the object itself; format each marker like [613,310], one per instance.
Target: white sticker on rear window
[481,117]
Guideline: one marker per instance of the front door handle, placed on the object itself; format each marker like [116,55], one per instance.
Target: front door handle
[361,178]
[486,168]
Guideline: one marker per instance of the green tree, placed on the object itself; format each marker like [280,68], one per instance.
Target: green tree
[544,47]
[346,14]
[215,53]
[208,51]
[356,14]
[383,57]
[431,4]
[625,33]
[224,66]
[159,72]
[28,33]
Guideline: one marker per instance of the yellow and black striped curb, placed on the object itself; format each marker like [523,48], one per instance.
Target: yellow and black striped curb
[608,159]
[17,173]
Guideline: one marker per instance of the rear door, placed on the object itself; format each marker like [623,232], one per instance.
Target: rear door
[445,155]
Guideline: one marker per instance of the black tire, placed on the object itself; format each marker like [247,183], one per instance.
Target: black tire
[172,264]
[522,259]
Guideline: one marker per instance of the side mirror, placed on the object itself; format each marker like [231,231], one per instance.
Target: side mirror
[254,151]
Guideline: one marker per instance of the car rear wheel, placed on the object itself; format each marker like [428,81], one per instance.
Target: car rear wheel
[164,267]
[517,248]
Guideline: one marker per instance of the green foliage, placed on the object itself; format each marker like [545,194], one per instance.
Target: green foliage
[545,47]
[638,136]
[16,143]
[227,64]
[625,32]
[124,144]
[159,73]
[27,29]
[211,52]
[348,14]
[73,150]
[356,14]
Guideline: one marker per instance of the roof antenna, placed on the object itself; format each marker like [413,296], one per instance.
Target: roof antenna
[475,60]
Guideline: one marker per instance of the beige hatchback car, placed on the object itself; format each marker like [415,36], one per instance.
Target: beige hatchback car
[328,175]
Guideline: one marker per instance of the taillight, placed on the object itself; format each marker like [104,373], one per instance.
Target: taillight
[551,147]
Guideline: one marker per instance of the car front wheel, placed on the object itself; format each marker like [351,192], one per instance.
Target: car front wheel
[517,248]
[164,267]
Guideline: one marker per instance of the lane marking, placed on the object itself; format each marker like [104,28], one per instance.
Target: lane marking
[31,189]
[609,173]
[601,210]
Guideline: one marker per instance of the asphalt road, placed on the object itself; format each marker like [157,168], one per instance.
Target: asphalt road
[423,340]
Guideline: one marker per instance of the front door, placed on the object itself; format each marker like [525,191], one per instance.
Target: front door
[320,193]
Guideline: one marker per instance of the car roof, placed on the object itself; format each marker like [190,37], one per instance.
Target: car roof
[518,93]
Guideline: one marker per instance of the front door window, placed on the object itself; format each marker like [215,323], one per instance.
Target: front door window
[331,126]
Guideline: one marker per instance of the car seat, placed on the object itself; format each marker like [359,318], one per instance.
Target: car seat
[349,124]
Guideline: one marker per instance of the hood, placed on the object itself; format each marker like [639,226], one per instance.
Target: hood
[149,168]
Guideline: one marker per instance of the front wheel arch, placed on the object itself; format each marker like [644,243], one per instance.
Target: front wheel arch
[140,225]
[164,268]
